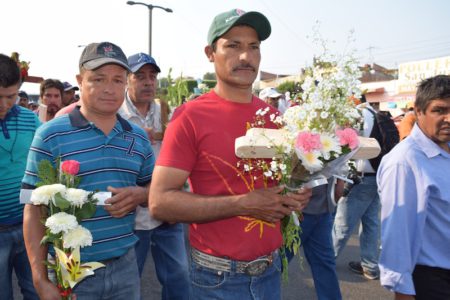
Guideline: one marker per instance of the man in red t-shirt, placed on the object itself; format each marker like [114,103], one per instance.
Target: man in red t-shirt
[235,222]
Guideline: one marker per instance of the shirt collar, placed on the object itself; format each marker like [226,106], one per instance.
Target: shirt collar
[13,111]
[131,110]
[78,120]
[429,147]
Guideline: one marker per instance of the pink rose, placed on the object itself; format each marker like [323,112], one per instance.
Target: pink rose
[307,141]
[348,136]
[70,167]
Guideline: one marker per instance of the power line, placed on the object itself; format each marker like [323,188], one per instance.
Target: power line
[288,28]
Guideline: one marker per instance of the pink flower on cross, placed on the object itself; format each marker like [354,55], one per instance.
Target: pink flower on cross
[348,136]
[308,141]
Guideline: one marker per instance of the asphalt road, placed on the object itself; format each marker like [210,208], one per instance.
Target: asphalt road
[300,285]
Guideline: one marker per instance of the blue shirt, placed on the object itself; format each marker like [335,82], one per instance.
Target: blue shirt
[122,158]
[17,131]
[414,186]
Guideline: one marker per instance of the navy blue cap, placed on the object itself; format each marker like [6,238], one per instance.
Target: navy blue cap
[137,61]
[23,94]
[68,87]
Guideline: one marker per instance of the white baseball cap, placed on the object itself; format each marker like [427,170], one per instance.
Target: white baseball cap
[269,92]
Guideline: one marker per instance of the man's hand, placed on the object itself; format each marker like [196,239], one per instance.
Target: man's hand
[338,190]
[153,136]
[47,290]
[125,200]
[269,205]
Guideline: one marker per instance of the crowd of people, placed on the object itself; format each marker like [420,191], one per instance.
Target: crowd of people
[126,144]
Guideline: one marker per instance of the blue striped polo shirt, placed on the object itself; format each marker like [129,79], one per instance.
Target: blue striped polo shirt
[123,158]
[17,131]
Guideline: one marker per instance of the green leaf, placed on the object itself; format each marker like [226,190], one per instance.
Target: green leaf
[61,202]
[86,211]
[45,240]
[46,173]
[50,265]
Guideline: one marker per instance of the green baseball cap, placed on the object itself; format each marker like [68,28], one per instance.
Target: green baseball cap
[224,21]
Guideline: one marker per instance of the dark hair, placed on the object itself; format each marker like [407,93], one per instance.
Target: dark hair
[9,71]
[51,83]
[363,98]
[437,87]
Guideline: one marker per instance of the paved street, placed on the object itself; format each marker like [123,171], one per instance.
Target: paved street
[300,284]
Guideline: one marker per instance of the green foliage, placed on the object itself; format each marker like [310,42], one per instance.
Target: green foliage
[46,173]
[293,87]
[50,237]
[209,76]
[176,89]
[210,83]
[87,211]
[163,82]
[191,84]
[61,202]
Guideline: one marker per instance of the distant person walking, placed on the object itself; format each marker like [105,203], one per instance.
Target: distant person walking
[51,93]
[361,204]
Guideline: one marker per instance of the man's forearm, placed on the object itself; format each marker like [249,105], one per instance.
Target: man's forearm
[33,231]
[180,206]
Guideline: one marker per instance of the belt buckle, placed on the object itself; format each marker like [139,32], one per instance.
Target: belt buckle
[257,266]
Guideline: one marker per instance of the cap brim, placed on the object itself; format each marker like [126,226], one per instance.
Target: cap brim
[97,63]
[138,66]
[274,95]
[75,88]
[257,21]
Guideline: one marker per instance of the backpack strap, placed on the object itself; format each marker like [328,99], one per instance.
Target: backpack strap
[374,115]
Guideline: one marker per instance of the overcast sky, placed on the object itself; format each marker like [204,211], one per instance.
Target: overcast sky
[48,33]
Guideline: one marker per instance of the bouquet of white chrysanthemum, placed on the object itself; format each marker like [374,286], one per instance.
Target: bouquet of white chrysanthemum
[64,207]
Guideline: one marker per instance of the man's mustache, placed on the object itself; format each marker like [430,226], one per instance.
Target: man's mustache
[246,66]
[52,107]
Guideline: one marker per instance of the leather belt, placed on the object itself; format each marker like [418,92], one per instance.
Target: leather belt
[361,174]
[4,227]
[252,268]
[110,260]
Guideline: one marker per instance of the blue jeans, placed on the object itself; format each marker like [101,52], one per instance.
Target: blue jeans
[169,254]
[362,203]
[210,284]
[119,280]
[14,256]
[318,248]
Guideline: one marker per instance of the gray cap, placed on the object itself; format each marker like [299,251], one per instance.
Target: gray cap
[96,55]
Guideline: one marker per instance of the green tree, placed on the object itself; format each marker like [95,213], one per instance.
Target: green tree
[209,76]
[287,86]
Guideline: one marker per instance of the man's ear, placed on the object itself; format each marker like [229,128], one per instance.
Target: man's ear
[209,53]
[418,112]
[79,79]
